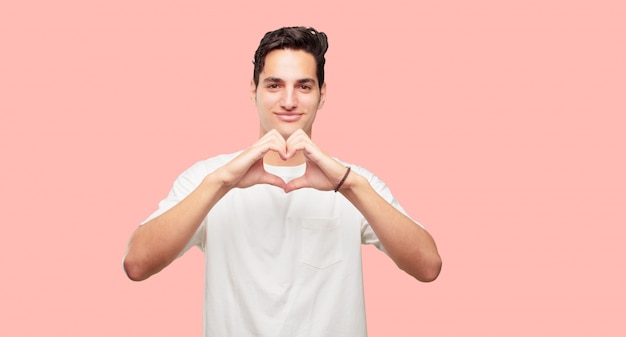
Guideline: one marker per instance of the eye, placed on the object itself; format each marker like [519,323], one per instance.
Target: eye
[306,87]
[272,86]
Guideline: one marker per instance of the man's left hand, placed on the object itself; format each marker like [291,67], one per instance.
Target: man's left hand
[322,171]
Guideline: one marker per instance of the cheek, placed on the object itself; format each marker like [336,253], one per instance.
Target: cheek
[312,102]
[265,102]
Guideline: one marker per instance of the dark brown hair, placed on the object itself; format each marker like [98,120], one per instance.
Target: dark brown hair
[297,38]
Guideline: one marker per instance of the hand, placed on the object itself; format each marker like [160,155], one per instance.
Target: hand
[322,171]
[247,169]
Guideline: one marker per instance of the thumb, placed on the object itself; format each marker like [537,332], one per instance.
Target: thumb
[271,179]
[296,184]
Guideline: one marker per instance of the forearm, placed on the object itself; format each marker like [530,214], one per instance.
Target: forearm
[410,246]
[157,243]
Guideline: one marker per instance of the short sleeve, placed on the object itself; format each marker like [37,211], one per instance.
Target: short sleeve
[186,183]
[367,233]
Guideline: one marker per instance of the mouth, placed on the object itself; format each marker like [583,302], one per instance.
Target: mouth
[288,116]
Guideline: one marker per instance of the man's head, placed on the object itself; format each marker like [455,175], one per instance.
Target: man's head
[288,86]
[295,38]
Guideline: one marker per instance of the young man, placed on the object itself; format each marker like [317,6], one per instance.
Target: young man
[281,222]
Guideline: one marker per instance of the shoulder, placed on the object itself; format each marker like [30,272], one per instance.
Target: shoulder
[206,166]
[193,175]
[378,185]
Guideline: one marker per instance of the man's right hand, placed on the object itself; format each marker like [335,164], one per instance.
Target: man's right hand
[247,169]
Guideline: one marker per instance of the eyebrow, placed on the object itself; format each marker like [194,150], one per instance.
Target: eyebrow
[280,80]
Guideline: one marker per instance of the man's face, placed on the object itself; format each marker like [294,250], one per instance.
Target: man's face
[288,94]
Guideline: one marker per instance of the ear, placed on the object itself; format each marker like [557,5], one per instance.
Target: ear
[322,96]
[253,91]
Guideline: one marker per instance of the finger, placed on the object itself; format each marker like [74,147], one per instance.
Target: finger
[300,141]
[296,184]
[278,147]
[278,143]
[292,148]
[271,141]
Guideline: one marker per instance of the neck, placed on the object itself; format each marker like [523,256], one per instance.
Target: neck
[272,158]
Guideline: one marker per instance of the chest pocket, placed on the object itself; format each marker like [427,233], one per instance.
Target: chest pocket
[321,242]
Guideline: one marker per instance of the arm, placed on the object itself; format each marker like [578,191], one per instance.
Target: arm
[155,244]
[408,244]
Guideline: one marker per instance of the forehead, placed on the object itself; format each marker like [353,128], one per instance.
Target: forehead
[289,64]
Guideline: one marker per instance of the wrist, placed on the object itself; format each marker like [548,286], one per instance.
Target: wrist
[351,183]
[343,179]
[220,180]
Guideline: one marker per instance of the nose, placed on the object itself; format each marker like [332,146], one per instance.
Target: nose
[289,99]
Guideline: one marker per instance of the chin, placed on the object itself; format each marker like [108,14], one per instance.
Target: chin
[287,131]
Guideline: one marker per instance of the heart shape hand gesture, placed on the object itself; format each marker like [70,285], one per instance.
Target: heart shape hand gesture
[322,171]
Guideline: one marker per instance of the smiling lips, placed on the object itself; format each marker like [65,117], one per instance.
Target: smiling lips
[288,116]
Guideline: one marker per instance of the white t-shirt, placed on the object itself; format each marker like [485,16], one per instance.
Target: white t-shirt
[278,264]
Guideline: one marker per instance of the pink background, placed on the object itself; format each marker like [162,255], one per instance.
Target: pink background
[497,124]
